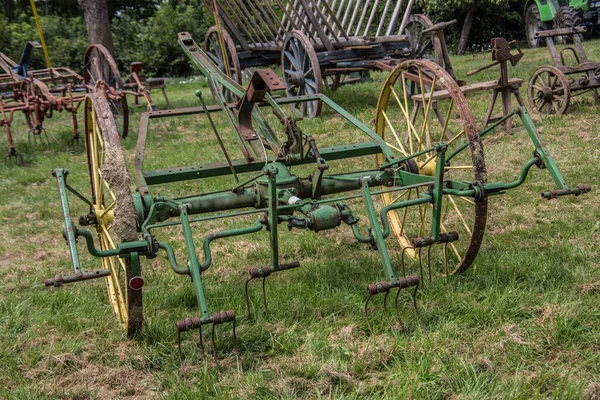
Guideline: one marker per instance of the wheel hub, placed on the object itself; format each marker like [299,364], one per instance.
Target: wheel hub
[427,169]
[297,78]
[545,94]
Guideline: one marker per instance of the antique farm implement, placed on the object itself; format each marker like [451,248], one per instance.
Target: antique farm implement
[552,87]
[38,93]
[428,188]
[319,43]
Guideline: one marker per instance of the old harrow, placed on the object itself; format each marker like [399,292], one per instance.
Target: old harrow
[552,87]
[430,176]
[41,92]
[320,43]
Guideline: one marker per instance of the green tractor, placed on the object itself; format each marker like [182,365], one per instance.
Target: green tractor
[552,14]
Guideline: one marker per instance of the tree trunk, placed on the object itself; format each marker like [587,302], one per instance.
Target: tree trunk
[97,21]
[466,31]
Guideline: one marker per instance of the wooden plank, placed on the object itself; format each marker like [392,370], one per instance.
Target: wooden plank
[474,87]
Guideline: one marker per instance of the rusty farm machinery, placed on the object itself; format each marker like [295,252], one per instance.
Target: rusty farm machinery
[551,87]
[41,92]
[427,189]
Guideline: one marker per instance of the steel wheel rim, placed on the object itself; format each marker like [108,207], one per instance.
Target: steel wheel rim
[213,50]
[125,302]
[548,91]
[301,73]
[98,64]
[406,221]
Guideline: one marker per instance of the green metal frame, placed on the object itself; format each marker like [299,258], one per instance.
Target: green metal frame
[277,196]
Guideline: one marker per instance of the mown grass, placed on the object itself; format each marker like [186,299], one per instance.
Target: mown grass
[522,322]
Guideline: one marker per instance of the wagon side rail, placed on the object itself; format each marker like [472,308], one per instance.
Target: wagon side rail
[330,24]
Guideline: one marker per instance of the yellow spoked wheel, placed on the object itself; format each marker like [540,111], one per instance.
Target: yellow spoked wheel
[113,208]
[412,123]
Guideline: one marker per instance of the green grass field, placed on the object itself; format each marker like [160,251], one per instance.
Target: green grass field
[522,322]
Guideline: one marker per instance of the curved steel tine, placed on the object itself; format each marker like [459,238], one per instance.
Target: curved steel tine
[46,136]
[369,323]
[429,262]
[402,262]
[237,350]
[264,294]
[414,299]
[420,262]
[248,299]
[181,363]
[398,314]
[201,341]
[214,347]
[385,311]
[446,261]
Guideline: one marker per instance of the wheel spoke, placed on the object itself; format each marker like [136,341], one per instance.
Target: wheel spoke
[462,218]
[403,151]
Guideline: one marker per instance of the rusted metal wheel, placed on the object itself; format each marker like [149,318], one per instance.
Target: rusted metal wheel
[423,45]
[100,72]
[113,209]
[548,91]
[37,95]
[212,48]
[411,123]
[301,72]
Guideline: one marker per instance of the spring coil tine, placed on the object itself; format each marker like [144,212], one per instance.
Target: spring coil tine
[402,327]
[201,343]
[429,262]
[369,323]
[414,300]
[420,262]
[264,292]
[181,364]
[385,311]
[446,270]
[248,299]
[214,347]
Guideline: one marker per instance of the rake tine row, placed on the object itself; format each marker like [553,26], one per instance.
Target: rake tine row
[264,273]
[192,323]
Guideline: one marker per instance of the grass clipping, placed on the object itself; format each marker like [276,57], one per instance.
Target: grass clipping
[114,171]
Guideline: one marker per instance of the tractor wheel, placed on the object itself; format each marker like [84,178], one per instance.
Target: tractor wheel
[113,208]
[567,17]
[533,24]
[411,124]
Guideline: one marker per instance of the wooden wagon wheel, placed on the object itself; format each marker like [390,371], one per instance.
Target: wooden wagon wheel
[548,91]
[423,45]
[99,66]
[408,130]
[301,72]
[212,48]
[113,208]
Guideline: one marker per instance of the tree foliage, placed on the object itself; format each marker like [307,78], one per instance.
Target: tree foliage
[493,18]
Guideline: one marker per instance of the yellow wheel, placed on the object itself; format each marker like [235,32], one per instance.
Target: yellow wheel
[412,123]
[113,209]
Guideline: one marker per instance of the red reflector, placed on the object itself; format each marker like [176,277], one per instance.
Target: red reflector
[136,282]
